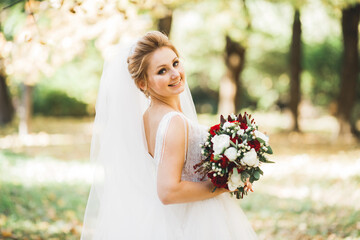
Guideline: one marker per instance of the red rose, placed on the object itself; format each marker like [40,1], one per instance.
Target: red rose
[243,126]
[255,144]
[224,161]
[236,138]
[231,166]
[219,181]
[214,128]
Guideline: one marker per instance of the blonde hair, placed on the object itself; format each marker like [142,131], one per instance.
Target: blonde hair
[138,61]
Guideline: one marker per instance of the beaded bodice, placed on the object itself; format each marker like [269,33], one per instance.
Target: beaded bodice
[196,135]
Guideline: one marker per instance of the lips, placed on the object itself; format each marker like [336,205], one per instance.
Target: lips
[175,84]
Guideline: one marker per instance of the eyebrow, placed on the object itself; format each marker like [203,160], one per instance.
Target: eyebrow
[165,64]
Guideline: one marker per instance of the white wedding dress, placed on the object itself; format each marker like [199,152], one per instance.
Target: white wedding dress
[123,201]
[216,218]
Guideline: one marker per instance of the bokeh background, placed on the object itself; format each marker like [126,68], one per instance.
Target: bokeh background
[294,65]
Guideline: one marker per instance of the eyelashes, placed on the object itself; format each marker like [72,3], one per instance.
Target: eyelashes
[162,71]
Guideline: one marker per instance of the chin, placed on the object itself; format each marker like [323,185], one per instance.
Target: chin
[180,88]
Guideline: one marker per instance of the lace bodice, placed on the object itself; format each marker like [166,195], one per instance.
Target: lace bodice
[196,135]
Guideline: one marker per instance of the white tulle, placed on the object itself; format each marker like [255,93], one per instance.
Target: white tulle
[123,201]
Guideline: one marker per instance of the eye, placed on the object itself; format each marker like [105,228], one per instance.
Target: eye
[176,63]
[162,71]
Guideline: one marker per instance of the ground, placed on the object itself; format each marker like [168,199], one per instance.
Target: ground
[311,192]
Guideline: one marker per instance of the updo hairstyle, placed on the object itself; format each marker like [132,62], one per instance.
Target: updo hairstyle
[138,60]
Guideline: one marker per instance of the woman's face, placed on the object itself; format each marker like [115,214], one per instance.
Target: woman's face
[166,76]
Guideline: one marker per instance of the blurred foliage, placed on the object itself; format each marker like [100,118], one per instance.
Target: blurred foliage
[15,19]
[57,103]
[79,78]
[72,54]
[323,63]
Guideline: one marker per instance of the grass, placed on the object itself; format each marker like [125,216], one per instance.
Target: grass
[47,212]
[311,192]
[35,205]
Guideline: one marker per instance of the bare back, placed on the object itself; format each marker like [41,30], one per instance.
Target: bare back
[152,118]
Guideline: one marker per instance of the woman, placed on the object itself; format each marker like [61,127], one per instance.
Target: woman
[146,187]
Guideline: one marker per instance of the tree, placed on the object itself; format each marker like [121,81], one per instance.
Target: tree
[350,11]
[164,23]
[234,57]
[350,67]
[55,32]
[295,69]
[162,13]
[6,107]
[230,84]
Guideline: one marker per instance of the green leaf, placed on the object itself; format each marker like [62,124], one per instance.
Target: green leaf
[256,175]
[269,151]
[268,161]
[244,176]
[216,157]
[265,160]
[260,140]
[233,144]
[247,120]
[251,179]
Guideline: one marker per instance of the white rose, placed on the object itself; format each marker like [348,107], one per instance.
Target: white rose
[231,153]
[240,132]
[234,180]
[220,142]
[226,125]
[251,159]
[259,134]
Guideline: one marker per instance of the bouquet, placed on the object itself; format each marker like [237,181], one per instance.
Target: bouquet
[234,151]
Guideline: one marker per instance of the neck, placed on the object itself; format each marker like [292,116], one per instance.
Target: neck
[173,102]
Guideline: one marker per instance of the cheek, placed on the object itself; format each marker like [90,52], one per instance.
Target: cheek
[181,68]
[157,81]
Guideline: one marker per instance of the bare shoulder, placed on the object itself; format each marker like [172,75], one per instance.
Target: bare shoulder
[177,133]
[176,126]
[154,115]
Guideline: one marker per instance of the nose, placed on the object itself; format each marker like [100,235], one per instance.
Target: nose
[175,74]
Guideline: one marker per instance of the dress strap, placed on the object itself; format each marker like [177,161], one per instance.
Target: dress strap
[161,135]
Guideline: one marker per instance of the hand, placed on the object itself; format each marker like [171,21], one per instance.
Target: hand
[248,186]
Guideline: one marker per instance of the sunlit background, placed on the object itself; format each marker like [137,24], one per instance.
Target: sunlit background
[292,64]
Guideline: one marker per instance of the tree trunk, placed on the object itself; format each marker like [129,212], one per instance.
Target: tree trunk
[295,69]
[349,74]
[227,95]
[230,84]
[6,107]
[164,24]
[25,110]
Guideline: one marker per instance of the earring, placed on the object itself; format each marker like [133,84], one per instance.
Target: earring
[147,94]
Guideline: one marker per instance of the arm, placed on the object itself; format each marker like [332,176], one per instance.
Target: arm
[169,185]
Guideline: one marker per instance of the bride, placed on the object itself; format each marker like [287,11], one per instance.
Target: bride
[144,146]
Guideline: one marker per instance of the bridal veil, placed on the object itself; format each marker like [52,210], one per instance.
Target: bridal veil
[123,202]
